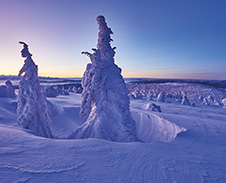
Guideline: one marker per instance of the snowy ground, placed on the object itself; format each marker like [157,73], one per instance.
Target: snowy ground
[196,155]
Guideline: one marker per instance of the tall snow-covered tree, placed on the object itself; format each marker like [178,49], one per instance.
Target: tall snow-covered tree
[105,100]
[32,108]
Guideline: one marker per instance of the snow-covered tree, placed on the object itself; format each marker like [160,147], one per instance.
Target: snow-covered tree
[200,98]
[137,95]
[161,97]
[32,108]
[8,90]
[185,100]
[205,102]
[224,102]
[152,107]
[217,102]
[105,98]
[210,99]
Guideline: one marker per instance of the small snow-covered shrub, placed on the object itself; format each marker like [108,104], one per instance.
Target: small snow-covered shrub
[137,95]
[7,90]
[50,91]
[152,107]
[200,98]
[78,90]
[161,97]
[210,99]
[169,95]
[185,100]
[224,102]
[205,102]
[216,102]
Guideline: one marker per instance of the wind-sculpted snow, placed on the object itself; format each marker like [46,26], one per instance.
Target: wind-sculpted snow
[32,108]
[196,155]
[150,128]
[105,98]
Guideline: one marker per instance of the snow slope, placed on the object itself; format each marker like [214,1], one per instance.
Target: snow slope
[196,155]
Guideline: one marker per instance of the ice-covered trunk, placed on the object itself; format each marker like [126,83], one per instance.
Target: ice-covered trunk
[32,108]
[105,98]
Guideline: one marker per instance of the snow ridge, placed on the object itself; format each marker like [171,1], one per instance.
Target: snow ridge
[152,128]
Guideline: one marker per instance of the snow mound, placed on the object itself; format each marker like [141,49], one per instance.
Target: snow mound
[152,107]
[150,128]
[50,92]
[7,90]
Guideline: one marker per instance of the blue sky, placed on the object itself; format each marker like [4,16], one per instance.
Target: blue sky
[155,39]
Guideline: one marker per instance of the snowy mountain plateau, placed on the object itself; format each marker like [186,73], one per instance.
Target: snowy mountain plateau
[103,128]
[195,155]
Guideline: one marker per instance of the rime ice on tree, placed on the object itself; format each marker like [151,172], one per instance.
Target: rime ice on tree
[161,97]
[105,98]
[32,109]
[185,100]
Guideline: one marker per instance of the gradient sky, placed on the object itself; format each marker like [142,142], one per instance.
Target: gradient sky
[154,38]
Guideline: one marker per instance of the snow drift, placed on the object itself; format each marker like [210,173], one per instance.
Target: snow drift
[150,128]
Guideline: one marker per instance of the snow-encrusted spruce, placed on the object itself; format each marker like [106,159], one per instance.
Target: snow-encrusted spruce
[32,108]
[105,98]
[161,97]
[185,100]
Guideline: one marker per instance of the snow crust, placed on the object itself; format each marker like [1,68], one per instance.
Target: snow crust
[27,157]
